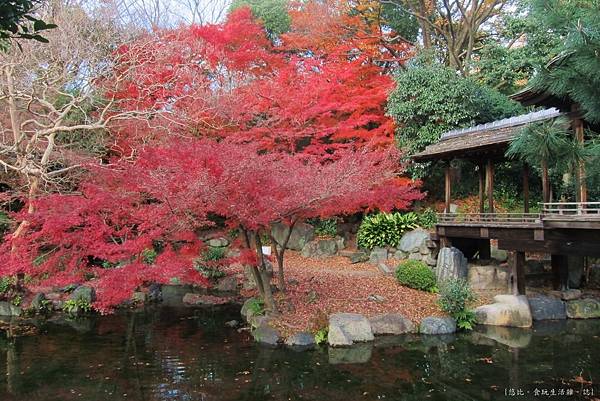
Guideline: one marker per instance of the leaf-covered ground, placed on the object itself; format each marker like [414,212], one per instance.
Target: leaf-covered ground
[319,287]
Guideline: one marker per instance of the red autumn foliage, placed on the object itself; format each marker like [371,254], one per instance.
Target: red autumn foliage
[229,80]
[162,199]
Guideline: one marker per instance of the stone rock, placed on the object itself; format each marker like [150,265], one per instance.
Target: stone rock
[84,293]
[376,298]
[423,249]
[359,257]
[245,311]
[412,241]
[227,284]
[575,264]
[384,268]
[498,254]
[266,335]
[583,309]
[8,309]
[507,310]
[232,323]
[359,353]
[155,292]
[320,247]
[488,278]
[139,297]
[218,242]
[391,323]
[341,242]
[400,255]
[348,328]
[594,278]
[451,263]
[39,301]
[437,325]
[302,234]
[547,308]
[378,255]
[430,261]
[570,295]
[204,300]
[415,256]
[300,340]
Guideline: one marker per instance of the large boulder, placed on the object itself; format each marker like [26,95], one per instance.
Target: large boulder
[302,234]
[583,309]
[547,308]
[220,242]
[437,325]
[204,300]
[348,328]
[513,337]
[391,323]
[8,309]
[488,278]
[378,255]
[507,310]
[83,293]
[246,310]
[320,248]
[451,263]
[413,241]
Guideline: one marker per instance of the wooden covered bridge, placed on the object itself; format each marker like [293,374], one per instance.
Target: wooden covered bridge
[559,229]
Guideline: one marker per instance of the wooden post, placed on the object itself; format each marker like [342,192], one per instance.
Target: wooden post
[517,272]
[560,272]
[490,185]
[448,187]
[525,188]
[481,187]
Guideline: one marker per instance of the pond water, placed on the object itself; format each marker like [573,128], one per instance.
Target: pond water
[186,354]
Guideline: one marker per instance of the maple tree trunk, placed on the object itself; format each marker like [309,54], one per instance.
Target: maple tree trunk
[267,294]
[279,255]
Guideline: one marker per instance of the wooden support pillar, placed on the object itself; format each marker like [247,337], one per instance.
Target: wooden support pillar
[560,272]
[447,187]
[481,177]
[525,188]
[490,185]
[485,251]
[579,135]
[517,272]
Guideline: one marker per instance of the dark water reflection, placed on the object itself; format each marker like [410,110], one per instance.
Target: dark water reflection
[182,354]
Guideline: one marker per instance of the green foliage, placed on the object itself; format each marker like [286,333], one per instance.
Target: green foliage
[213,254]
[416,274]
[455,297]
[17,299]
[384,229]
[427,218]
[541,141]
[324,227]
[273,14]
[18,21]
[321,336]
[432,99]
[6,284]
[4,223]
[207,264]
[576,72]
[75,307]
[149,256]
[256,307]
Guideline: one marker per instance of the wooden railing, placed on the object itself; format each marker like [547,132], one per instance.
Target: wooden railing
[556,209]
[489,218]
[552,212]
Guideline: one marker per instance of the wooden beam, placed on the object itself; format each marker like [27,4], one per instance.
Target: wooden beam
[447,187]
[481,176]
[490,185]
[525,188]
[560,271]
[516,262]
[553,247]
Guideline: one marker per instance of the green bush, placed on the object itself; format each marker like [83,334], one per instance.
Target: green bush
[256,307]
[416,274]
[427,218]
[384,229]
[207,264]
[325,227]
[455,297]
[213,254]
[75,307]
[321,336]
[6,283]
[149,256]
